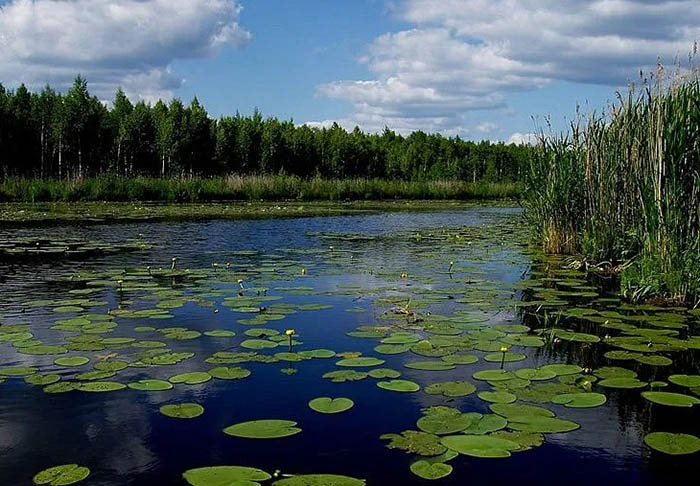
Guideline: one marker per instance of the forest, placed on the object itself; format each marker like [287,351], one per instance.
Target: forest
[50,135]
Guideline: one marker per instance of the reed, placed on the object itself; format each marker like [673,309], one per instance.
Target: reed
[246,188]
[624,187]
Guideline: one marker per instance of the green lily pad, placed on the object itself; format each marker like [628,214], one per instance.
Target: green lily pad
[497,396]
[580,400]
[654,360]
[381,373]
[427,470]
[42,379]
[674,444]
[360,362]
[415,442]
[43,350]
[509,410]
[192,378]
[18,371]
[430,365]
[562,369]
[182,410]
[526,440]
[404,386]
[445,420]
[493,375]
[220,333]
[331,405]
[614,372]
[258,344]
[70,361]
[392,348]
[62,387]
[62,475]
[263,429]
[341,376]
[100,386]
[535,374]
[224,373]
[485,424]
[318,353]
[690,381]
[670,399]
[480,445]
[451,388]
[225,476]
[508,356]
[543,425]
[319,480]
[112,366]
[460,359]
[151,385]
[625,383]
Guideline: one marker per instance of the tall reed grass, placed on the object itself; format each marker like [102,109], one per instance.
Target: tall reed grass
[624,186]
[269,188]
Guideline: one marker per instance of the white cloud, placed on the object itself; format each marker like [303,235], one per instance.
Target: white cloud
[129,43]
[465,56]
[522,138]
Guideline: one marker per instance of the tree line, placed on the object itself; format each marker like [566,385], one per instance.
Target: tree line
[73,135]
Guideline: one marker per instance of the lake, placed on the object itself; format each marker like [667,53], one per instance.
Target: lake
[451,288]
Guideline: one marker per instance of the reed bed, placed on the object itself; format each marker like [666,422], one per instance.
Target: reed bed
[623,186]
[245,188]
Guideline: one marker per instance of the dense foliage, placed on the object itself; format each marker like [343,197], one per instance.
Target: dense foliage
[625,188]
[75,135]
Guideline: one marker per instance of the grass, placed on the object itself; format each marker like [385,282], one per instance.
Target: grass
[624,187]
[245,188]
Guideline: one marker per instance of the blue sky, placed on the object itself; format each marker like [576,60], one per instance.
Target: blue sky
[480,69]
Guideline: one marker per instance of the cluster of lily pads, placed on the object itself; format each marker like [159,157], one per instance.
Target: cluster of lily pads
[438,316]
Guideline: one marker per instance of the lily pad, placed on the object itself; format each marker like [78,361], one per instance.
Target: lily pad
[331,405]
[451,388]
[182,410]
[486,424]
[670,399]
[674,444]
[497,396]
[690,381]
[18,371]
[70,361]
[341,376]
[415,442]
[42,379]
[220,333]
[263,429]
[508,356]
[319,480]
[62,475]
[427,470]
[192,378]
[224,373]
[480,445]
[404,386]
[100,386]
[360,362]
[151,385]
[430,365]
[535,374]
[580,400]
[225,476]
[562,369]
[381,373]
[622,383]
[493,375]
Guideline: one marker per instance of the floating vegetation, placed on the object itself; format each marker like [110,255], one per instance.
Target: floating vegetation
[225,475]
[331,405]
[319,480]
[263,429]
[451,388]
[62,475]
[182,410]
[404,386]
[673,444]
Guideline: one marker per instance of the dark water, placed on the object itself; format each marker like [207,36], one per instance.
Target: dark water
[124,440]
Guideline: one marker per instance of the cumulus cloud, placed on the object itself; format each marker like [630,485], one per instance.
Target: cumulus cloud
[128,43]
[465,56]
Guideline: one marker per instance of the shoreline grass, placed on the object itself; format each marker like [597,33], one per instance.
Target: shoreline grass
[246,188]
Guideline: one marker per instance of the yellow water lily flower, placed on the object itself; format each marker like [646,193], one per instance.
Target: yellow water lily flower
[290,332]
[504,349]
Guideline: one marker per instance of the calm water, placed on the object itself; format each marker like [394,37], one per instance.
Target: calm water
[124,440]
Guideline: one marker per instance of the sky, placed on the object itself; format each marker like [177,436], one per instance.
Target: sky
[479,69]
